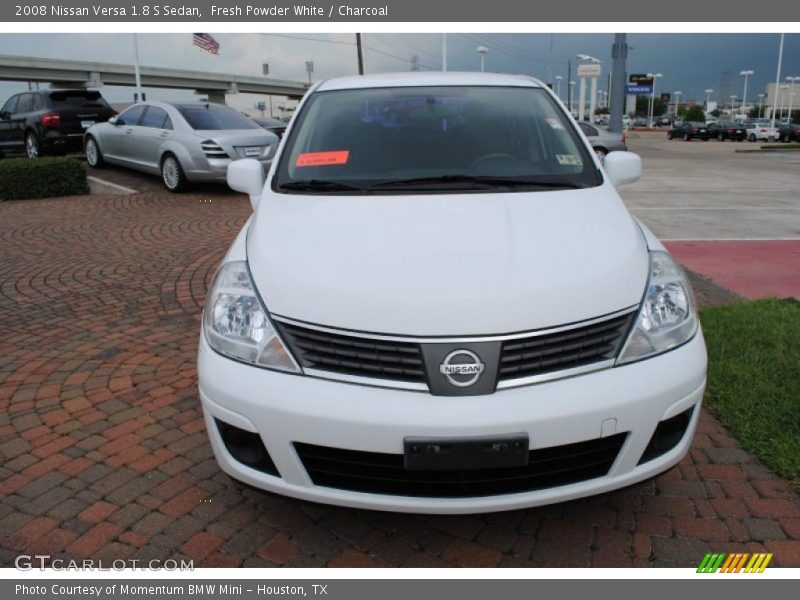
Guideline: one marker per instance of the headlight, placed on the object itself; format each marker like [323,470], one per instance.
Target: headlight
[667,317]
[237,325]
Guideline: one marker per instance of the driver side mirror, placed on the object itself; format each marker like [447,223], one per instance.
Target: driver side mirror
[116,121]
[247,176]
[4,115]
[622,167]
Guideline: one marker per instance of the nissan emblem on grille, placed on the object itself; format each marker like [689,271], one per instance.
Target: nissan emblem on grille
[462,368]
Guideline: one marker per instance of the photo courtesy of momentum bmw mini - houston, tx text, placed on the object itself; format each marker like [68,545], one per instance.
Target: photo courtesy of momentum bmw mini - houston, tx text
[488,327]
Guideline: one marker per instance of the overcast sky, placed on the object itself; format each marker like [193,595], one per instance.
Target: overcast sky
[689,62]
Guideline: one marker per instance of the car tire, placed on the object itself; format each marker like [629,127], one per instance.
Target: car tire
[669,135]
[601,153]
[32,147]
[94,158]
[751,137]
[172,175]
[785,139]
[686,137]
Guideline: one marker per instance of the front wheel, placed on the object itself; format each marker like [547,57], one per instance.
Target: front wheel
[785,139]
[31,145]
[172,174]
[721,137]
[669,135]
[752,137]
[686,137]
[94,157]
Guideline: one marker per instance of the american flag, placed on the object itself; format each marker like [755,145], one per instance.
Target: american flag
[206,42]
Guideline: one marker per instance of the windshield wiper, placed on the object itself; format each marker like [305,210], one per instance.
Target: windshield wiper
[482,181]
[320,185]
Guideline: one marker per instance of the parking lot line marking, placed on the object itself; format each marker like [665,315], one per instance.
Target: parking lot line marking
[116,186]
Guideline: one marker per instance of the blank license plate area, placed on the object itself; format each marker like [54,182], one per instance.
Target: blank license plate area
[486,452]
[252,151]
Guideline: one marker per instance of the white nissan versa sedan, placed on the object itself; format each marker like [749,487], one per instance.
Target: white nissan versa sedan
[440,304]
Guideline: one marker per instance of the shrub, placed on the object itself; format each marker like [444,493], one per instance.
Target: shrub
[23,178]
[695,113]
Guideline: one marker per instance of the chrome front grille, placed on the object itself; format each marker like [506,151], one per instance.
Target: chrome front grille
[407,362]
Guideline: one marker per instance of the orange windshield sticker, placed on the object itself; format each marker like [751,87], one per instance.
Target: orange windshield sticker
[321,159]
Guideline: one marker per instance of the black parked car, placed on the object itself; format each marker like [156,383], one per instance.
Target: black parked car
[276,126]
[789,133]
[50,121]
[728,131]
[688,130]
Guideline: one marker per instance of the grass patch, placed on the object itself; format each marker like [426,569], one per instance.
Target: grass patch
[754,378]
[23,178]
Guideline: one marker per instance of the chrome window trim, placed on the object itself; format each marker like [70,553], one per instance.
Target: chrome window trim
[453,339]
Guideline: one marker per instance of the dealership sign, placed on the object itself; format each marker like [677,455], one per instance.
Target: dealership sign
[633,89]
[590,70]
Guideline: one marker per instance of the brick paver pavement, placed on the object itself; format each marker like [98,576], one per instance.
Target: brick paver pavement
[103,451]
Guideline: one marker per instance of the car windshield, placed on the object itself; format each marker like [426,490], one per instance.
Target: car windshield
[440,139]
[209,116]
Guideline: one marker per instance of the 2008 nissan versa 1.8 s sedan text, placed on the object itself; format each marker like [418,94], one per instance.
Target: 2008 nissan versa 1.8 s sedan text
[440,304]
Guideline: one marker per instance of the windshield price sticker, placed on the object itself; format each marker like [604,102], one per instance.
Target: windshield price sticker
[569,160]
[322,159]
[554,124]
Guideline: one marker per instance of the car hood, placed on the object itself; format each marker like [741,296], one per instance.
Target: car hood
[447,264]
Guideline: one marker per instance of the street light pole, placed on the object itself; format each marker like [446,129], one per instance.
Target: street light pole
[708,97]
[744,94]
[760,105]
[571,95]
[677,102]
[558,86]
[483,51]
[655,77]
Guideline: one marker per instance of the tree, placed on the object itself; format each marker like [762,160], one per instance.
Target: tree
[601,111]
[716,113]
[755,111]
[681,110]
[695,113]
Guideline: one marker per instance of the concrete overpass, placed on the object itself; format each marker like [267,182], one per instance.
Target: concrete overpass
[73,73]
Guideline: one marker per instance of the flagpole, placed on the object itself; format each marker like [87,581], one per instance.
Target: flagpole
[139,94]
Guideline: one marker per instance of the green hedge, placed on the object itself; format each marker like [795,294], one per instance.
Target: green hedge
[24,178]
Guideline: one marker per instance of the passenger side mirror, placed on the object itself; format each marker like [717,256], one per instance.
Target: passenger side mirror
[247,176]
[4,115]
[116,121]
[622,167]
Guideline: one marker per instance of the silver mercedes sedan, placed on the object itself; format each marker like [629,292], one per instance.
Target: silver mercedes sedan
[180,142]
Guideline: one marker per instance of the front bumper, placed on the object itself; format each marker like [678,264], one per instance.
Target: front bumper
[284,409]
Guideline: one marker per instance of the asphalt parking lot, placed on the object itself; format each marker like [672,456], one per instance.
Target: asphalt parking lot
[103,447]
[709,191]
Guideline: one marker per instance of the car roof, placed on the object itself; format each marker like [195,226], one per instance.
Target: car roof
[427,78]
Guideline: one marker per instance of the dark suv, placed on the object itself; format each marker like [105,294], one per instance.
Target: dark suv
[50,121]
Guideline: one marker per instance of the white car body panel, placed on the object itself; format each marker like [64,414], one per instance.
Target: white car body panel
[456,264]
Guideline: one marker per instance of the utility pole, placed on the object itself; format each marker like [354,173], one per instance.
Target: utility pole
[360,54]
[415,62]
[619,53]
[139,94]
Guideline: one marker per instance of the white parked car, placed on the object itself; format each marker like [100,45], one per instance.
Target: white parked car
[440,304]
[761,130]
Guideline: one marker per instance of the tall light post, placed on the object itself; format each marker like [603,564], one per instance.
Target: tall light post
[483,51]
[655,77]
[708,97]
[677,102]
[571,95]
[760,105]
[791,81]
[744,94]
[558,86]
